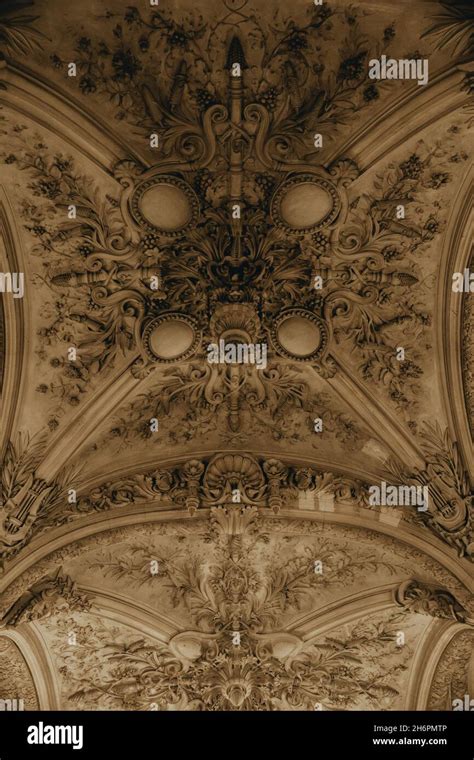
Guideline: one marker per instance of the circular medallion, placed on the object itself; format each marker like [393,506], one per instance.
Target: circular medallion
[305,203]
[299,335]
[170,338]
[165,204]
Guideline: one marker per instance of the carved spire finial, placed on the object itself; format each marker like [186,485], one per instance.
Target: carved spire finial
[236,54]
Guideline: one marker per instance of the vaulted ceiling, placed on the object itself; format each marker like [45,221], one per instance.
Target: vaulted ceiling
[180,534]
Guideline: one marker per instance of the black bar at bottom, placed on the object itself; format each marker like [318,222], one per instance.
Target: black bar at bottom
[157,734]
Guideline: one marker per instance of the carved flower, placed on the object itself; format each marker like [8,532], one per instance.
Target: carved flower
[85,249]
[410,369]
[162,481]
[178,39]
[431,227]
[62,164]
[144,431]
[131,15]
[438,179]
[352,68]
[391,252]
[297,42]
[413,167]
[193,468]
[274,468]
[125,64]
[103,50]
[87,85]
[321,13]
[50,188]
[370,93]
[304,478]
[458,157]
[83,44]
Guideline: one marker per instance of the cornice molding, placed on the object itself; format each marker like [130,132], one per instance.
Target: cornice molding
[456,254]
[17,328]
[141,465]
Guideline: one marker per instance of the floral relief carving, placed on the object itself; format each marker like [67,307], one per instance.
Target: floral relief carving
[364,257]
[450,680]
[237,656]
[337,672]
[16,681]
[44,598]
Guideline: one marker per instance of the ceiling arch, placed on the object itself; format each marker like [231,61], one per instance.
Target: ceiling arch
[458,256]
[14,340]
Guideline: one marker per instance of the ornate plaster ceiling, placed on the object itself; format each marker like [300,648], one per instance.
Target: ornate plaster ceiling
[178,533]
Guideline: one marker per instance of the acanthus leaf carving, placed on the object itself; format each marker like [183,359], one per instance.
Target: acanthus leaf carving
[44,598]
[429,599]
